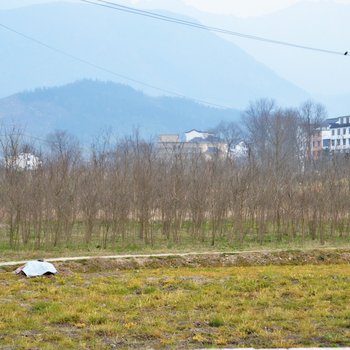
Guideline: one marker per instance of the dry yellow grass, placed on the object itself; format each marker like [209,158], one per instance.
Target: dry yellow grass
[274,306]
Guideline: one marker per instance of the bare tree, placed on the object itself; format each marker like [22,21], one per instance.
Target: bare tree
[128,191]
[311,115]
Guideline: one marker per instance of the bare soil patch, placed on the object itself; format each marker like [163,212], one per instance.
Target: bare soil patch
[264,258]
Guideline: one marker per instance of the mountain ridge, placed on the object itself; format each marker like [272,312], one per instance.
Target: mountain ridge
[86,107]
[197,63]
[321,24]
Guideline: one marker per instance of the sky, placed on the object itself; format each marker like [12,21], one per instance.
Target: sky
[321,75]
[242,8]
[246,7]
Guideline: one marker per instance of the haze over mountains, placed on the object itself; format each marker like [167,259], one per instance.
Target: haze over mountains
[87,108]
[323,24]
[196,63]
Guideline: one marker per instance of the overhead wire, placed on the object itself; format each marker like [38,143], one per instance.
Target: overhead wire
[109,71]
[25,135]
[154,15]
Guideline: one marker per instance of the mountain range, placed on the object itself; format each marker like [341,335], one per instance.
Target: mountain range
[87,108]
[75,78]
[198,64]
[321,24]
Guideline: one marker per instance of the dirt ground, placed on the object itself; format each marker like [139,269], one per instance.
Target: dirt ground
[256,299]
[279,258]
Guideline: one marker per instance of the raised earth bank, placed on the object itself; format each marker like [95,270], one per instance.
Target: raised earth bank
[263,258]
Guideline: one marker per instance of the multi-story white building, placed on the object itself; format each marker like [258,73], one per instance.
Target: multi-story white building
[336,134]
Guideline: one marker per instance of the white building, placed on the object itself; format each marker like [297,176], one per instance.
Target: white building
[240,150]
[25,161]
[195,134]
[336,134]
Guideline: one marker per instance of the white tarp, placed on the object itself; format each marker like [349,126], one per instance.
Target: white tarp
[37,268]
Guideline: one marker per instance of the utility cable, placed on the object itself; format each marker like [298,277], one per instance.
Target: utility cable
[154,15]
[109,71]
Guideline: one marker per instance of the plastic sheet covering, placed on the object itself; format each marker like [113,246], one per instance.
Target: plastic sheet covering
[37,268]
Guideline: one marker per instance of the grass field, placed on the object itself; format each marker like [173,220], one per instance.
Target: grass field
[8,253]
[182,308]
[226,241]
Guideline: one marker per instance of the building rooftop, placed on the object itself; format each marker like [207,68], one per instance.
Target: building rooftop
[209,139]
[333,123]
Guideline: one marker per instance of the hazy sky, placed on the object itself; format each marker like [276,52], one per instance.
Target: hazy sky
[320,75]
[246,7]
[236,7]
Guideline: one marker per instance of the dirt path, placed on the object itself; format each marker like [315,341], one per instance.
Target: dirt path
[115,257]
[256,257]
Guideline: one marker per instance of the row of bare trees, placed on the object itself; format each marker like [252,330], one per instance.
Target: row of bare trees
[127,191]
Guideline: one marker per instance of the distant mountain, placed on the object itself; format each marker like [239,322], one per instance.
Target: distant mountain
[197,63]
[323,24]
[87,107]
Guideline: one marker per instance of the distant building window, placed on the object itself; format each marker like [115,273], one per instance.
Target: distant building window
[333,132]
[344,131]
[326,143]
[338,142]
[338,131]
[344,142]
[333,143]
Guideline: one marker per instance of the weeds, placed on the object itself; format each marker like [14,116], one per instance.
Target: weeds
[182,308]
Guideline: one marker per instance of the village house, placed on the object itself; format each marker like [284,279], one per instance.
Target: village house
[332,137]
[195,134]
[24,161]
[195,141]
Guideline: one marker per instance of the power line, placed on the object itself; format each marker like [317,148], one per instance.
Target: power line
[154,15]
[24,135]
[109,71]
